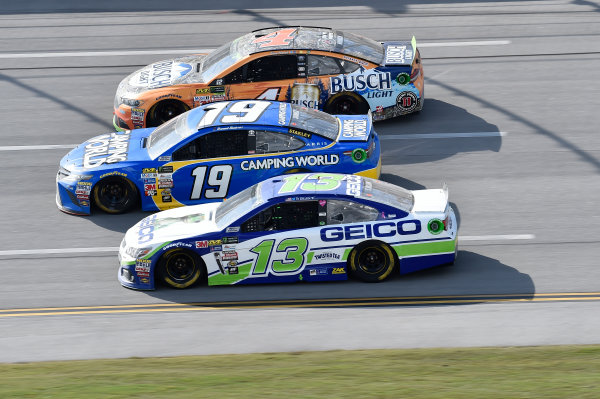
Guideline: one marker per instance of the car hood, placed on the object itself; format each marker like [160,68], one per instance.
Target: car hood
[108,151]
[164,73]
[173,224]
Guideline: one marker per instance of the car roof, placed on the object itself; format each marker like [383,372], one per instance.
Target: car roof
[292,187]
[307,38]
[289,186]
[276,114]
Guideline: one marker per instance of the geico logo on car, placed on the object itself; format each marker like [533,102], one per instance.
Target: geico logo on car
[361,231]
[145,233]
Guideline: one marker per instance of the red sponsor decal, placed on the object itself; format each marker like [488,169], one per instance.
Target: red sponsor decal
[281,37]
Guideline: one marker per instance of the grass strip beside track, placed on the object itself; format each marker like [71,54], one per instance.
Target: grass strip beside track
[531,372]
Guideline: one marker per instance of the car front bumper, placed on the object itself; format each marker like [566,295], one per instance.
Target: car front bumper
[69,202]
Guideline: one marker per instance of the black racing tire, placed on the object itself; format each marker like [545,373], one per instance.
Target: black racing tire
[115,195]
[180,268]
[163,111]
[371,261]
[347,104]
[455,254]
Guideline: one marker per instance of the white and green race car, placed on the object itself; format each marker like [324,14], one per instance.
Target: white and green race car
[297,227]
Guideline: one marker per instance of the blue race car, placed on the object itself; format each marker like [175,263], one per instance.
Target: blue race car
[211,153]
[297,227]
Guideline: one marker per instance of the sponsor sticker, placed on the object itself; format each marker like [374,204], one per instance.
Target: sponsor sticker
[107,148]
[407,101]
[354,128]
[229,255]
[160,74]
[290,162]
[229,240]
[137,114]
[282,113]
[360,82]
[300,133]
[353,185]
[306,95]
[398,54]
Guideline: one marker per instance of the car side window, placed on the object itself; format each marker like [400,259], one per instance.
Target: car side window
[342,211]
[348,66]
[284,216]
[267,142]
[274,67]
[234,77]
[323,65]
[226,143]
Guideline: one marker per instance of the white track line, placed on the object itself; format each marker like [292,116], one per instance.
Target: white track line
[461,44]
[58,251]
[499,237]
[208,50]
[116,249]
[104,53]
[36,147]
[440,135]
[388,137]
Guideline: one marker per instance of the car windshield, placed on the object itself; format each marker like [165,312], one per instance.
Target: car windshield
[315,121]
[387,193]
[167,135]
[217,61]
[237,206]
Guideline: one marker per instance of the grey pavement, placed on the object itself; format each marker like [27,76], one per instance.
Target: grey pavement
[541,178]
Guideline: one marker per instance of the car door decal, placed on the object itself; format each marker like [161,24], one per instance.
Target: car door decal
[217,182]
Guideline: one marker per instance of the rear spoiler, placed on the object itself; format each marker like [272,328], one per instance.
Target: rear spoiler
[445,190]
[355,127]
[399,53]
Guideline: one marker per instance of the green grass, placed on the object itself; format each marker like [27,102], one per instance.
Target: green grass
[530,372]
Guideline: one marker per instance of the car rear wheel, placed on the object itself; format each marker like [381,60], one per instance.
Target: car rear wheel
[115,195]
[180,268]
[371,261]
[164,111]
[347,104]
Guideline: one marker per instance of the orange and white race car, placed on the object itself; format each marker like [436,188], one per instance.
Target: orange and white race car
[322,68]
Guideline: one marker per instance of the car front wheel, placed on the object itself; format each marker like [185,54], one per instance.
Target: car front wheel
[180,268]
[115,195]
[164,111]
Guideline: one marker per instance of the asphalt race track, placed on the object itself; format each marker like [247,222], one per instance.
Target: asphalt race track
[510,123]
